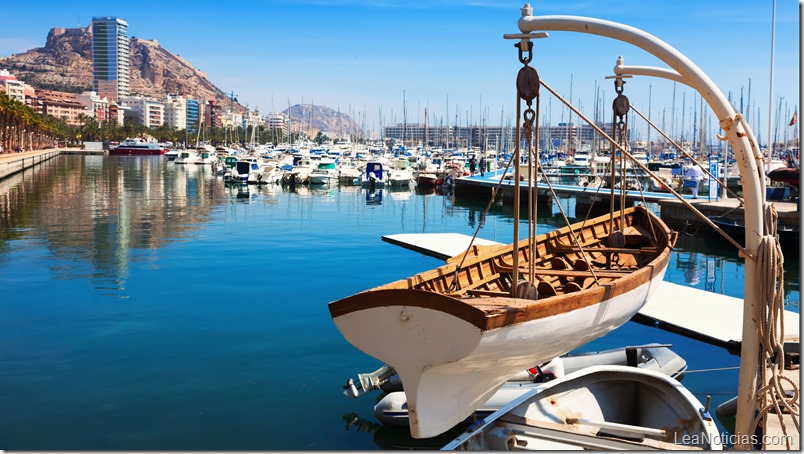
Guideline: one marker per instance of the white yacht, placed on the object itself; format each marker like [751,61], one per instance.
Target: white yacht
[188,156]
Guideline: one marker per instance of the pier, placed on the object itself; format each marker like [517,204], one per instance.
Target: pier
[676,215]
[11,163]
[483,185]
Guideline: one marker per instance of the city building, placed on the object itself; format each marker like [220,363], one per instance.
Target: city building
[110,57]
[252,118]
[96,107]
[450,136]
[175,111]
[144,111]
[276,121]
[229,119]
[213,114]
[11,86]
[194,112]
[57,104]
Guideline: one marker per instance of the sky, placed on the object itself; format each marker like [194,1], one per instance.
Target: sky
[364,57]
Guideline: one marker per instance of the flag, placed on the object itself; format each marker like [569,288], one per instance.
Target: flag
[794,119]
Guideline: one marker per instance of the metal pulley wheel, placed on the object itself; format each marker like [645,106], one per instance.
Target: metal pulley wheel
[527,83]
[621,105]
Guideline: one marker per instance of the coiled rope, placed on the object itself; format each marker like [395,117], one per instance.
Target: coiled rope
[769,314]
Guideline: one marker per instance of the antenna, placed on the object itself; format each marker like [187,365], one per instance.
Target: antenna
[232,97]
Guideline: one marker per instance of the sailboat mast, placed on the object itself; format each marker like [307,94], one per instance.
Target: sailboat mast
[770,95]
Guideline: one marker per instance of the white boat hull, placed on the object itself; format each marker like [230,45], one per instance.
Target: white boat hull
[458,366]
[601,407]
[392,409]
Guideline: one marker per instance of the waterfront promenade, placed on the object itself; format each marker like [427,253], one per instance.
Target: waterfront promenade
[13,162]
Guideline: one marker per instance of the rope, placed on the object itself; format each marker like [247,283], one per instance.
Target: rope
[769,313]
[572,232]
[734,243]
[716,369]
[453,285]
[695,162]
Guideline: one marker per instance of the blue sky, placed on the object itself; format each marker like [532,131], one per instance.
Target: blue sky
[360,55]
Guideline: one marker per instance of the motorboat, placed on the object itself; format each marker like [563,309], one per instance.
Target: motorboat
[188,156]
[400,177]
[325,173]
[374,175]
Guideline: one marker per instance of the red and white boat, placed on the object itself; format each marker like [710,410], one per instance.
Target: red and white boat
[137,147]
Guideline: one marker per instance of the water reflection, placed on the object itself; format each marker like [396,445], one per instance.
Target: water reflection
[105,211]
[373,196]
[397,438]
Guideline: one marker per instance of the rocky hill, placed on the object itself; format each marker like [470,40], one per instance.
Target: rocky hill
[312,119]
[65,64]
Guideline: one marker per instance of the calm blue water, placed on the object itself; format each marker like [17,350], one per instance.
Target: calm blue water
[147,306]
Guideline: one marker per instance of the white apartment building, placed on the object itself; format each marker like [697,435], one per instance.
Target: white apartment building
[96,106]
[276,120]
[145,111]
[230,119]
[13,87]
[175,111]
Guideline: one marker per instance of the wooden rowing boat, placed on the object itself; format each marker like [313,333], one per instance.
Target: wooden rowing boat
[455,334]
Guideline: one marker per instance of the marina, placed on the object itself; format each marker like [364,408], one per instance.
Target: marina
[197,278]
[193,366]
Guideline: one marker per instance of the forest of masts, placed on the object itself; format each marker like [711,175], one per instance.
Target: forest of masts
[687,121]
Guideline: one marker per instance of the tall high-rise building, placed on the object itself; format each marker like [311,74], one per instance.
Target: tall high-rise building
[193,114]
[110,57]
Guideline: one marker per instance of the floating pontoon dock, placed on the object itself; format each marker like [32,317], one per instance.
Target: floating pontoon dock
[483,184]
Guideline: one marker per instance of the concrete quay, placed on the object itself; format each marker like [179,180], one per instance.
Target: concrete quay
[11,163]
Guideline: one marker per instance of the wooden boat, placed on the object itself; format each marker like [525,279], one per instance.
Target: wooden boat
[601,407]
[455,334]
[392,409]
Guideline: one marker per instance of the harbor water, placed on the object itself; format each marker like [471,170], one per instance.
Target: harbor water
[147,305]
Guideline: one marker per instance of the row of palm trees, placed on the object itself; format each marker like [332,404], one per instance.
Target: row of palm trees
[23,129]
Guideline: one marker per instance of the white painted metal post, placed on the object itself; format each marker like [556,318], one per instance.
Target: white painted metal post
[746,152]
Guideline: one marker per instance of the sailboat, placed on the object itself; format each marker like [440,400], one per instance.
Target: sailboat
[457,333]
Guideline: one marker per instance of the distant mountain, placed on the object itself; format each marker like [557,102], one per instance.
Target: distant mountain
[65,64]
[312,119]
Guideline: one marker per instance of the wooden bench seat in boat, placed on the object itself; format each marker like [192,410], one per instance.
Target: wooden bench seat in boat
[584,435]
[541,271]
[606,250]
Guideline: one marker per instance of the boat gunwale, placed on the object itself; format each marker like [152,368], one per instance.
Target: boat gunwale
[492,312]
